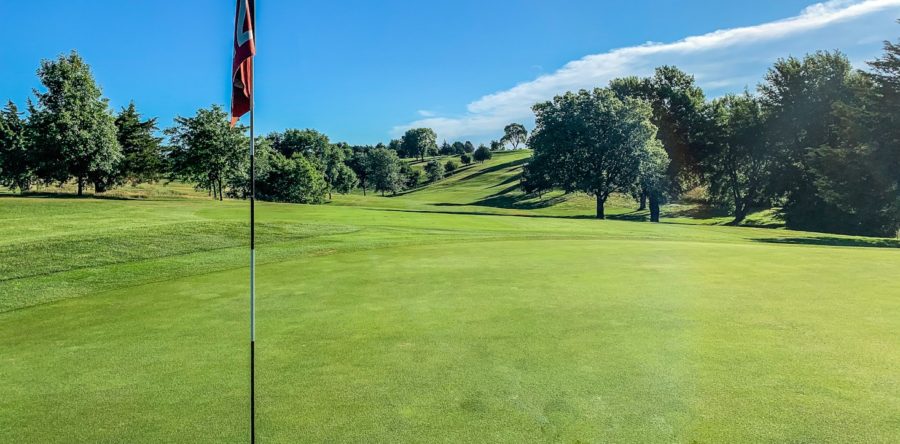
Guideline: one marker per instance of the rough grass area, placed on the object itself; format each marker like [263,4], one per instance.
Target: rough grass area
[459,312]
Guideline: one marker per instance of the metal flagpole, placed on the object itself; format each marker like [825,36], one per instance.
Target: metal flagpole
[252,272]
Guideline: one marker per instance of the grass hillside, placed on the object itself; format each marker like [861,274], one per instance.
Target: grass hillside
[459,312]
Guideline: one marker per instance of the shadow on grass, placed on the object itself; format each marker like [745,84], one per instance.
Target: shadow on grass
[834,241]
[45,195]
[510,165]
[476,213]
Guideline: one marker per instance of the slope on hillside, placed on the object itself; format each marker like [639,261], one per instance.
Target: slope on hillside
[493,187]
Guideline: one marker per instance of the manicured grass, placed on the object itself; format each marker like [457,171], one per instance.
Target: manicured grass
[462,312]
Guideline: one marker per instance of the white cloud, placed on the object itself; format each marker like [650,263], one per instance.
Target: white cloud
[426,113]
[720,59]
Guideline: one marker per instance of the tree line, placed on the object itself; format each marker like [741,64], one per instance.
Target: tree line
[69,134]
[818,138]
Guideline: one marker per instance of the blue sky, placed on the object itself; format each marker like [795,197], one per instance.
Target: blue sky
[363,71]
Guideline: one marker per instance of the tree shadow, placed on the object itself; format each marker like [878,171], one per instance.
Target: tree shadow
[476,213]
[833,241]
[510,165]
[66,196]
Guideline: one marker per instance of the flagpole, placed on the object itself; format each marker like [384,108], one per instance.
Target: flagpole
[252,273]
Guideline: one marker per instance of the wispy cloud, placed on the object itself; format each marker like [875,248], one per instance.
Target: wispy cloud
[706,56]
[426,113]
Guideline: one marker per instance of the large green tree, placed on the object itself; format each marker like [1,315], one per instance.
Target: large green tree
[810,102]
[385,167]
[738,167]
[419,142]
[142,151]
[16,164]
[592,141]
[72,130]
[292,179]
[514,134]
[677,111]
[207,151]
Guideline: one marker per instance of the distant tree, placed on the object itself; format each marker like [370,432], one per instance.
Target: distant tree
[413,176]
[496,145]
[459,147]
[293,179]
[385,168]
[482,154]
[331,162]
[468,147]
[237,183]
[309,142]
[16,169]
[360,164]
[396,145]
[446,149]
[737,171]
[450,166]
[71,126]
[419,142]
[592,141]
[142,151]
[434,170]
[465,158]
[207,151]
[514,134]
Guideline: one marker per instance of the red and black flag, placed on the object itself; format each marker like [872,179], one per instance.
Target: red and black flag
[242,66]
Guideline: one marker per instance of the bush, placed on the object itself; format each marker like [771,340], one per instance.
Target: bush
[451,166]
[465,159]
[434,170]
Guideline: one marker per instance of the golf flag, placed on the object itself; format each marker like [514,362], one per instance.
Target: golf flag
[242,66]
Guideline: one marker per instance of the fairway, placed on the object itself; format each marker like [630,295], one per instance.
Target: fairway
[460,312]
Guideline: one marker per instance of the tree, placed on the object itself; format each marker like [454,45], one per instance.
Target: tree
[514,134]
[459,147]
[468,147]
[482,154]
[385,171]
[446,149]
[591,141]
[653,177]
[677,104]
[434,170]
[141,149]
[737,171]
[293,179]
[465,158]
[338,176]
[808,101]
[71,126]
[16,170]
[496,145]
[419,142]
[450,166]
[360,164]
[308,142]
[207,151]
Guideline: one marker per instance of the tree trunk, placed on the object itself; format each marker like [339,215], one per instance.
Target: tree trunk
[654,208]
[601,213]
[643,201]
[740,213]
[220,189]
[80,186]
[364,189]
